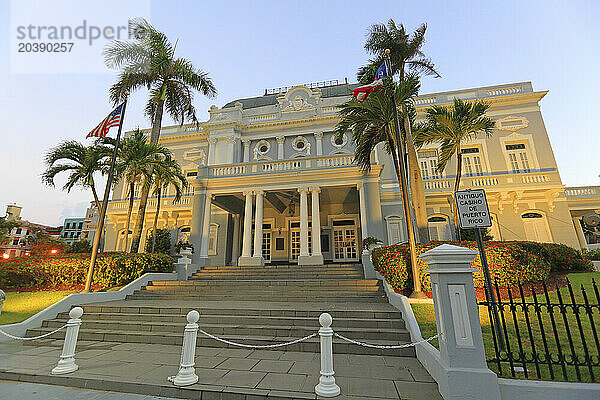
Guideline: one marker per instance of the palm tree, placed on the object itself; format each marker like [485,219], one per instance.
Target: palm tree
[405,53]
[452,127]
[167,173]
[136,160]
[149,61]
[372,121]
[80,161]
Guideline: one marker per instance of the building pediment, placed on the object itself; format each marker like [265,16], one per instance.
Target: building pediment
[299,99]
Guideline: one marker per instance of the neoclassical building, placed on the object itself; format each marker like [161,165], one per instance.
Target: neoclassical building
[270,183]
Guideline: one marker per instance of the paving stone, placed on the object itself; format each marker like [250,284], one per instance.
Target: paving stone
[273,366]
[239,353]
[299,356]
[278,381]
[241,378]
[265,354]
[207,351]
[306,367]
[242,364]
[89,353]
[210,376]
[34,351]
[208,362]
[368,387]
[417,390]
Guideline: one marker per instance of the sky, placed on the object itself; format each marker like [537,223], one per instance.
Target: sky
[247,46]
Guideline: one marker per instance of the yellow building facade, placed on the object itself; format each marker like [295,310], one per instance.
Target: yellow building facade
[268,176]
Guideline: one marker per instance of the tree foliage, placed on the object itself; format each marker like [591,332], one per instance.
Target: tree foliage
[162,242]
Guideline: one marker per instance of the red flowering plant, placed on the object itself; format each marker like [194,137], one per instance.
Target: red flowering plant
[508,263]
[112,269]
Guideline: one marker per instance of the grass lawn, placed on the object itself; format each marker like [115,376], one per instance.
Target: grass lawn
[19,306]
[425,316]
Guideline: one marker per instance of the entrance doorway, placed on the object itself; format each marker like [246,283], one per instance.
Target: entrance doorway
[345,247]
[295,240]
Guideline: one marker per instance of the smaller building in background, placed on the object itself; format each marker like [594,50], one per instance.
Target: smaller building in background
[17,244]
[90,223]
[72,228]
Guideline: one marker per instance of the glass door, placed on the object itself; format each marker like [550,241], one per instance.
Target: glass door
[344,244]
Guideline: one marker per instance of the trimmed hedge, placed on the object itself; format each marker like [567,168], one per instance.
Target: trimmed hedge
[112,269]
[509,262]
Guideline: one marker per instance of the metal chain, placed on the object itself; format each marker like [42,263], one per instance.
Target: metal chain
[32,338]
[268,346]
[374,346]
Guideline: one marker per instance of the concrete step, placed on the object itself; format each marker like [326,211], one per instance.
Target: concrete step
[251,289]
[271,282]
[342,298]
[275,330]
[269,309]
[310,345]
[340,322]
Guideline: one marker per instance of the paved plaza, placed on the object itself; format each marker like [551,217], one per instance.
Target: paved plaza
[224,373]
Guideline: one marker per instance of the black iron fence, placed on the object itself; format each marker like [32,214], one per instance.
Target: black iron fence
[547,335]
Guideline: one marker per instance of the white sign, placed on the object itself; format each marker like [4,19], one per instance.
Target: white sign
[473,211]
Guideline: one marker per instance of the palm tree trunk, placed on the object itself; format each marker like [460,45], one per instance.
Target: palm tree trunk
[456,187]
[131,198]
[156,218]
[95,197]
[154,136]
[417,189]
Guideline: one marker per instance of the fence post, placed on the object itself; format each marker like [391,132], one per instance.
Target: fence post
[66,363]
[465,373]
[326,386]
[187,372]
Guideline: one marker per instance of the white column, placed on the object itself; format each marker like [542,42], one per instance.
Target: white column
[363,209]
[246,143]
[580,234]
[317,257]
[205,227]
[258,223]
[319,140]
[303,225]
[280,141]
[235,249]
[212,150]
[246,246]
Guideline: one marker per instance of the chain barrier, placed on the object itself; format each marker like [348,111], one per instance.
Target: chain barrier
[268,346]
[375,346]
[32,338]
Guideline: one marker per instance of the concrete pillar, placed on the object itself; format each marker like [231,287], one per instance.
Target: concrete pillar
[464,373]
[212,150]
[580,235]
[280,141]
[235,250]
[316,258]
[319,142]
[196,224]
[246,257]
[258,233]
[246,143]
[304,255]
[205,230]
[363,210]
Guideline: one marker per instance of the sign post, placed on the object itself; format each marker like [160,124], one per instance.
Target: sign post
[473,213]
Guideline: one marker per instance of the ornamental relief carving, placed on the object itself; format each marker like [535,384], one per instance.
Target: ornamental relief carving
[512,123]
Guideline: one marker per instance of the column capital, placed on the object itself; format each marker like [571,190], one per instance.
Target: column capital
[360,185]
[280,139]
[319,135]
[315,189]
[303,189]
[246,142]
[248,192]
[212,140]
[259,192]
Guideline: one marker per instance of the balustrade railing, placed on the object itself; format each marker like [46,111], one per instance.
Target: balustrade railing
[582,191]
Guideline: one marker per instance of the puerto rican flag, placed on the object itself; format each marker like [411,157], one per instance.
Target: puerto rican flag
[113,119]
[362,92]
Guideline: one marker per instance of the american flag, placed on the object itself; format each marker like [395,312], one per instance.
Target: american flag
[113,119]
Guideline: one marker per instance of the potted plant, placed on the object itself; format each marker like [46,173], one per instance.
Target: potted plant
[370,242]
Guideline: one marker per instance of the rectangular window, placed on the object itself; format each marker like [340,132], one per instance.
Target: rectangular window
[428,162]
[517,157]
[18,232]
[15,242]
[471,162]
[212,239]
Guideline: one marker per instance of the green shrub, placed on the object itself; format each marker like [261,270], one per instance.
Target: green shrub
[112,269]
[592,255]
[508,263]
[561,257]
[80,246]
[163,241]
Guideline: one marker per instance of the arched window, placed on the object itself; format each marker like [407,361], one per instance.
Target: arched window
[536,227]
[439,228]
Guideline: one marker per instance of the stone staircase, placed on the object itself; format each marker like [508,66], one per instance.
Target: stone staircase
[252,305]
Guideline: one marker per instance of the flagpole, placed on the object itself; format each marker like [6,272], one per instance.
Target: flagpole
[104,206]
[417,292]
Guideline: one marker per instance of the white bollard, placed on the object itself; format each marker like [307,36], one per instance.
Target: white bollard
[187,373]
[66,363]
[326,386]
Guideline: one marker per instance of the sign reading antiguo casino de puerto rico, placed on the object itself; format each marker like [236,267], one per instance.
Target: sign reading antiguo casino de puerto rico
[473,211]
